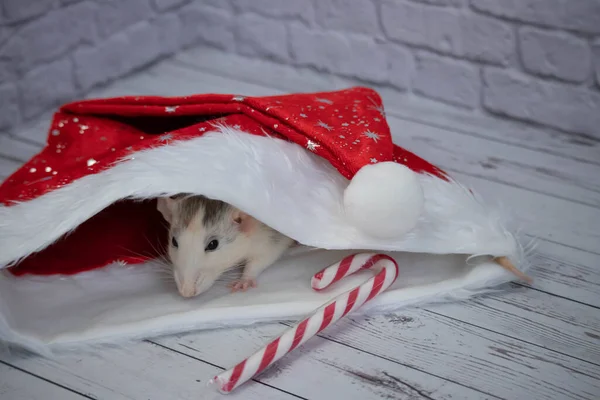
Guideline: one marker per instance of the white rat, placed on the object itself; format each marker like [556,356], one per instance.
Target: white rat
[208,237]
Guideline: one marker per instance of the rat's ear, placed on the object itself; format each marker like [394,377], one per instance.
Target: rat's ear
[166,205]
[242,220]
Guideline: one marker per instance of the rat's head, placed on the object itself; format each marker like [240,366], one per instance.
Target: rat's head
[206,238]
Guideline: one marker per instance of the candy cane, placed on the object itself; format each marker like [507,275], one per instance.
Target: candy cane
[320,319]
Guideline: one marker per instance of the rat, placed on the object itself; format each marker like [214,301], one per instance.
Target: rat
[208,237]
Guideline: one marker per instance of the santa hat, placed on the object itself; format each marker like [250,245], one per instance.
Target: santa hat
[319,167]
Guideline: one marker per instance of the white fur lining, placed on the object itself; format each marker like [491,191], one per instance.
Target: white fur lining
[117,304]
[280,183]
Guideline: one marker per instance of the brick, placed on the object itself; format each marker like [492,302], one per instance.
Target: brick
[576,15]
[51,36]
[5,33]
[301,9]
[46,87]
[572,109]
[116,15]
[163,5]
[596,51]
[453,3]
[114,57]
[345,54]
[400,65]
[447,80]
[448,31]
[554,54]
[9,105]
[169,33]
[348,15]
[17,10]
[206,25]
[262,37]
[224,4]
[7,70]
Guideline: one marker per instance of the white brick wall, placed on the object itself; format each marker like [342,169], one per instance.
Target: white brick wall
[530,60]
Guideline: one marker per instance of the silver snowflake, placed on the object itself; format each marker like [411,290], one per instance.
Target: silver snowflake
[326,101]
[372,135]
[312,146]
[377,107]
[201,129]
[238,98]
[303,115]
[373,160]
[84,127]
[345,124]
[170,109]
[376,119]
[324,125]
[237,127]
[55,132]
[166,137]
[121,263]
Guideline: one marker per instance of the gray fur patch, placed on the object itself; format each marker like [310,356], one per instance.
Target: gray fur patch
[214,210]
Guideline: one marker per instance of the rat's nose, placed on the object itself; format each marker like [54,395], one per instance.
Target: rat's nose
[188,291]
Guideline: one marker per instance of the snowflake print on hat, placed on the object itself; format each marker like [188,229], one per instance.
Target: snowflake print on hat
[371,135]
[324,125]
[312,146]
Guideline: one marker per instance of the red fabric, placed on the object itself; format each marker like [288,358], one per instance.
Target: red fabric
[127,231]
[347,127]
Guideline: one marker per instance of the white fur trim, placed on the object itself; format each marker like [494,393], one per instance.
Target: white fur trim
[384,200]
[280,183]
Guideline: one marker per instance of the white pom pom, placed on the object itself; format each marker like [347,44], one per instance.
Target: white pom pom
[384,200]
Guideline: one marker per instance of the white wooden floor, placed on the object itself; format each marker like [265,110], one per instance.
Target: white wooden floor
[538,342]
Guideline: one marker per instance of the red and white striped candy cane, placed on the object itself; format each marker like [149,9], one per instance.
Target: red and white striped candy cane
[320,319]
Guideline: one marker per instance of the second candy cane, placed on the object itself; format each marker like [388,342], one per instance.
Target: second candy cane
[387,272]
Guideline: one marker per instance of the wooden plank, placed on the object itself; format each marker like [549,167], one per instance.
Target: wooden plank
[547,217]
[18,385]
[320,369]
[534,317]
[480,124]
[532,170]
[8,166]
[17,150]
[36,132]
[170,79]
[136,371]
[293,78]
[567,272]
[469,355]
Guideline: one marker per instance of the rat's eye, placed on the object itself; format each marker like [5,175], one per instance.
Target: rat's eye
[174,242]
[213,244]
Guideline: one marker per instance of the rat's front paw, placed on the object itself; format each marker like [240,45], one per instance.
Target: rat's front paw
[242,285]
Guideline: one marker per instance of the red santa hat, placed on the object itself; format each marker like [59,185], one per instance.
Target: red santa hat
[319,167]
